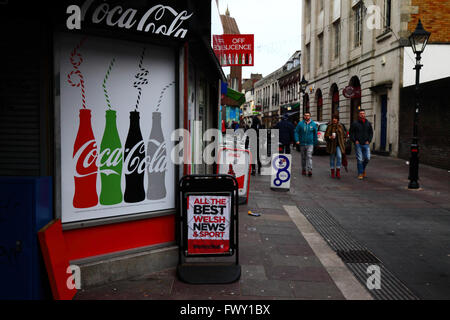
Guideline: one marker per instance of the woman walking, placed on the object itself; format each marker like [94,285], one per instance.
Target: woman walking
[335,137]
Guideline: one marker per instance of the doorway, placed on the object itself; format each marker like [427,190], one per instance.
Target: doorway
[383,123]
[334,100]
[319,99]
[355,103]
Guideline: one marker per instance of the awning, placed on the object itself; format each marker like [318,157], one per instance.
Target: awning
[291,113]
[236,96]
[290,107]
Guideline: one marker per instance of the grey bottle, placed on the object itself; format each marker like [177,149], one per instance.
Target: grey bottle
[157,157]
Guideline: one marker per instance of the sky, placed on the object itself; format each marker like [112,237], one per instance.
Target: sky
[276,25]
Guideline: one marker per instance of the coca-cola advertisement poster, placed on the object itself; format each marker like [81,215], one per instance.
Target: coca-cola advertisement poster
[117,109]
[208,224]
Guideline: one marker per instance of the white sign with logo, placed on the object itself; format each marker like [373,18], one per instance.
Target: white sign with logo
[236,162]
[117,114]
[281,171]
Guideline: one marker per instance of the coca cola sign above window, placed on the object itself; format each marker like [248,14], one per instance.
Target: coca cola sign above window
[159,19]
[117,103]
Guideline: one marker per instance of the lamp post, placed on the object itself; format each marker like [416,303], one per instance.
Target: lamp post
[303,85]
[418,39]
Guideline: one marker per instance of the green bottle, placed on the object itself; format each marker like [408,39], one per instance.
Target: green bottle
[111,161]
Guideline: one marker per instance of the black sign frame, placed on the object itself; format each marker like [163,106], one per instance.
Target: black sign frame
[209,273]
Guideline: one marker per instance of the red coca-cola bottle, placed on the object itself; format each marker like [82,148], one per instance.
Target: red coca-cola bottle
[231,171]
[85,160]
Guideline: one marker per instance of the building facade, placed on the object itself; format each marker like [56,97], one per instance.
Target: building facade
[362,46]
[267,97]
[248,109]
[289,82]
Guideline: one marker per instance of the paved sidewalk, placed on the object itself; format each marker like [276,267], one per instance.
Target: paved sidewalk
[407,230]
[277,262]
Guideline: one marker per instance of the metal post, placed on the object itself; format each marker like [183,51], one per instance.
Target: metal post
[414,160]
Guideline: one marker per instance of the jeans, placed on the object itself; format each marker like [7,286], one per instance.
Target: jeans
[362,156]
[336,159]
[307,152]
[286,148]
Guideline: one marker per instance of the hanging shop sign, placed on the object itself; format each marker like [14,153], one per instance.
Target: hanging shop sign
[351,92]
[159,19]
[117,106]
[234,50]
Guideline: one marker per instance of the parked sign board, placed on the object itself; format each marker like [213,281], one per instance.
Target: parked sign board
[281,171]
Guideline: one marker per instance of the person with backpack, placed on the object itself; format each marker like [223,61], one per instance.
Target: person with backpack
[286,133]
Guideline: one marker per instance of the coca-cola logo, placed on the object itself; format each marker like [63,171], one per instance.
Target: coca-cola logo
[111,159]
[159,19]
[87,156]
[133,161]
[158,163]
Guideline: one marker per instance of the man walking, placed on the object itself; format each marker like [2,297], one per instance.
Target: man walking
[306,137]
[286,133]
[256,125]
[361,133]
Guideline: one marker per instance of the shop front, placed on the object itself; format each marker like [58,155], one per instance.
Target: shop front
[111,95]
[231,107]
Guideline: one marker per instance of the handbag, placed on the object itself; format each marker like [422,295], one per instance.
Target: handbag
[344,161]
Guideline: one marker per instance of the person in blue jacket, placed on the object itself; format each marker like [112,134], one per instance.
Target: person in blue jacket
[306,136]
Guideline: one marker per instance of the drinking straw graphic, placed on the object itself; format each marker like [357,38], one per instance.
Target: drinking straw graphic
[162,94]
[108,102]
[76,64]
[142,79]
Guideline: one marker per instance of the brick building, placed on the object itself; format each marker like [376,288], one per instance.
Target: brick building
[230,27]
[435,15]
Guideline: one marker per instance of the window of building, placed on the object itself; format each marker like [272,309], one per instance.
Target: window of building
[337,38]
[320,48]
[308,11]
[358,24]
[307,58]
[387,13]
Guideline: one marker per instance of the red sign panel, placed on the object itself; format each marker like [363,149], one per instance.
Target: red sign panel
[234,49]
[352,92]
[208,224]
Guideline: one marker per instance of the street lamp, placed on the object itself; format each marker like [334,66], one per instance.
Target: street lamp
[303,85]
[418,39]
